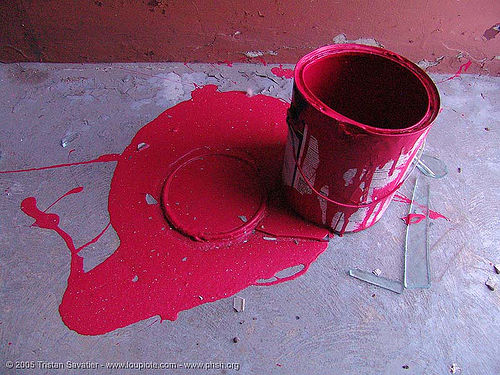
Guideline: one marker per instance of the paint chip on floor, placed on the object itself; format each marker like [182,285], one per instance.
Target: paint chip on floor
[141,146]
[239,304]
[269,238]
[490,283]
[67,139]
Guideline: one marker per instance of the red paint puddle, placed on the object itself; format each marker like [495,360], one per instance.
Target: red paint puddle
[157,270]
[283,73]
[462,69]
[409,218]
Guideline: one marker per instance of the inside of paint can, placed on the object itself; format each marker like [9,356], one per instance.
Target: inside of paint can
[369,89]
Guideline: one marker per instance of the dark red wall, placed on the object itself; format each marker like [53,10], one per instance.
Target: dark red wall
[218,30]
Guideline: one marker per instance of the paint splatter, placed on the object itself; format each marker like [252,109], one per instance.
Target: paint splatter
[157,270]
[411,219]
[76,190]
[283,73]
[462,69]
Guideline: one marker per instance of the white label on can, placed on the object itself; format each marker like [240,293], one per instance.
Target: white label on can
[309,165]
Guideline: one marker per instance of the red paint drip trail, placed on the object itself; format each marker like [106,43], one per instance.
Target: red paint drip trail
[462,69]
[411,218]
[51,221]
[101,159]
[72,191]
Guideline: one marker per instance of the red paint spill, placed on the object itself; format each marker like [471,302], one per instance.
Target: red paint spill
[432,214]
[280,72]
[462,69]
[101,159]
[157,270]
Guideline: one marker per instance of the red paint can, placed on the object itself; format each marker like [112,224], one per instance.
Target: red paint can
[358,118]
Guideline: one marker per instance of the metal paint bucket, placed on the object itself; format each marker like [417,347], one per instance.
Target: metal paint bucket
[359,116]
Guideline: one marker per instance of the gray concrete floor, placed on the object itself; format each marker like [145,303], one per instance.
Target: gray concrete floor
[345,326]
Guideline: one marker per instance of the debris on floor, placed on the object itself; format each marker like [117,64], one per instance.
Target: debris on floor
[239,304]
[392,285]
[490,283]
[454,368]
[377,272]
[236,339]
[68,138]
[497,268]
[426,64]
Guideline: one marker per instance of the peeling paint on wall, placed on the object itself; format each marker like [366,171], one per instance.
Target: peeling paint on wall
[342,39]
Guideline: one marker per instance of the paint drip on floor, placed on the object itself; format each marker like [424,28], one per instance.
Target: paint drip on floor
[157,270]
[416,218]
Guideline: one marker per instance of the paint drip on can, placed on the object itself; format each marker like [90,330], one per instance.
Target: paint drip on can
[359,117]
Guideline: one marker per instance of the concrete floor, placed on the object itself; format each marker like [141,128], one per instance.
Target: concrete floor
[344,326]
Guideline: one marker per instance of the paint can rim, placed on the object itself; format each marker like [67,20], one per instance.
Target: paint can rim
[431,90]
